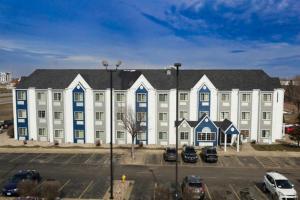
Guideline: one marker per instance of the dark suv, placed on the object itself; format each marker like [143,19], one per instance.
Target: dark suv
[11,187]
[189,154]
[209,154]
[170,154]
[193,187]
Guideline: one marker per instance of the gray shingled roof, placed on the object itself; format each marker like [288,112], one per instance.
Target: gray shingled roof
[123,79]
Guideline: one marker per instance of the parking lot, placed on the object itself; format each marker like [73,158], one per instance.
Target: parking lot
[86,176]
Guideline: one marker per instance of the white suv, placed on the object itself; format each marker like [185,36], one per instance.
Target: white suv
[279,187]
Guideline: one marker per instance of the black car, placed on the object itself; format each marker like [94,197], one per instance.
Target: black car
[7,123]
[189,154]
[170,154]
[11,187]
[209,154]
[193,187]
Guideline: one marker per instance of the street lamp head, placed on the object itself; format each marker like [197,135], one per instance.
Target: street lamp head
[118,63]
[177,65]
[105,63]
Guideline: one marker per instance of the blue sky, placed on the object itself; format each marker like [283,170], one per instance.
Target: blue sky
[235,34]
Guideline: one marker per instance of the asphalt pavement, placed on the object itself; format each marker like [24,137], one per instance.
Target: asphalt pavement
[87,176]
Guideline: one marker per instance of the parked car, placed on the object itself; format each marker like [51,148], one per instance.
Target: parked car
[193,187]
[7,123]
[289,128]
[209,154]
[1,124]
[170,154]
[279,186]
[189,154]
[11,187]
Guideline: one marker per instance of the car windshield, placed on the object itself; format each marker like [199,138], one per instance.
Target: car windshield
[284,184]
[18,177]
[190,150]
[195,184]
[171,150]
[211,151]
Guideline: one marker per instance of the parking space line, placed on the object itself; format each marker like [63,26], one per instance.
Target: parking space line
[234,192]
[85,162]
[260,192]
[20,156]
[209,196]
[67,161]
[66,183]
[259,162]
[86,189]
[50,159]
[35,158]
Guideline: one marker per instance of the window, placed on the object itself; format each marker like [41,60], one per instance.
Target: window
[245,133]
[141,116]
[99,134]
[184,135]
[120,135]
[183,96]
[266,116]
[225,97]
[56,96]
[78,115]
[78,96]
[120,116]
[42,132]
[99,116]
[58,115]
[41,96]
[79,133]
[41,114]
[246,98]
[22,131]
[22,113]
[201,113]
[204,96]
[265,133]
[21,95]
[183,114]
[267,97]
[162,135]
[58,133]
[141,136]
[163,116]
[99,97]
[245,115]
[206,136]
[120,97]
[163,97]
[224,115]
[141,97]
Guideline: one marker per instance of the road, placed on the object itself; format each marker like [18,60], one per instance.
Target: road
[86,176]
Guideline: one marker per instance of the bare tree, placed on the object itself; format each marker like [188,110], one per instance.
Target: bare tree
[132,126]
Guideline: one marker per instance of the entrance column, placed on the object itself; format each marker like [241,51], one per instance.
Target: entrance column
[225,142]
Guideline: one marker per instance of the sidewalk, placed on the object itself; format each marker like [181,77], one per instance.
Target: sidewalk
[8,145]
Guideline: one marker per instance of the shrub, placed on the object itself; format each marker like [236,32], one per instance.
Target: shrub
[50,189]
[141,144]
[27,188]
[56,143]
[98,143]
[10,132]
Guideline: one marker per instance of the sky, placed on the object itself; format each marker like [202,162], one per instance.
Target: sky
[201,34]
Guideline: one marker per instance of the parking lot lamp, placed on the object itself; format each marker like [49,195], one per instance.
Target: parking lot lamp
[177,66]
[111,69]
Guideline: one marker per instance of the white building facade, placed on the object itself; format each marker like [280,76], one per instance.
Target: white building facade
[73,106]
[5,77]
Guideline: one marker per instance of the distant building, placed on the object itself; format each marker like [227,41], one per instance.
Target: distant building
[5,77]
[288,82]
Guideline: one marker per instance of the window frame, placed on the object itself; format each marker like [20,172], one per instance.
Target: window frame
[121,95]
[42,97]
[266,130]
[205,136]
[44,132]
[245,119]
[80,95]
[266,95]
[40,113]
[227,95]
[141,97]
[23,95]
[22,110]
[55,96]
[138,115]
[161,133]
[222,114]
[25,131]
[184,134]
[204,94]
[61,134]
[76,131]
[247,99]
[101,134]
[183,94]
[61,115]
[139,134]
[120,114]
[181,114]
[100,96]
[164,116]
[165,97]
[120,138]
[75,118]
[265,114]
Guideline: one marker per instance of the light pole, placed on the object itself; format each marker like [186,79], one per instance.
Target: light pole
[177,65]
[111,70]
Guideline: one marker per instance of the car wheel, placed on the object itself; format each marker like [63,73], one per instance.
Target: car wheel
[265,189]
